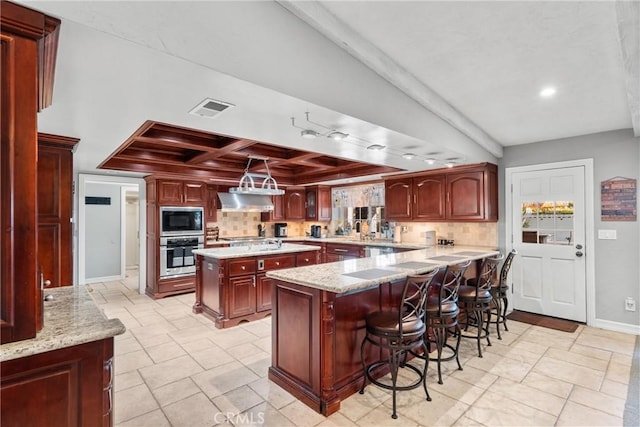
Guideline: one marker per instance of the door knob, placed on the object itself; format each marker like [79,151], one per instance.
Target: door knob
[47,282]
[579,254]
[578,246]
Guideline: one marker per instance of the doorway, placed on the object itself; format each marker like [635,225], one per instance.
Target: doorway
[550,223]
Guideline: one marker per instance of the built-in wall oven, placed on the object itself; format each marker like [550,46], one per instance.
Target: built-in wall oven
[181,221]
[176,255]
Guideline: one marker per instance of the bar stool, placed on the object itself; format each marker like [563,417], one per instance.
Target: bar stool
[499,295]
[442,315]
[398,331]
[475,297]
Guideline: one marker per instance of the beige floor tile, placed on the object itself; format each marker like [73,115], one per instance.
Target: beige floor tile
[570,373]
[132,402]
[622,359]
[258,363]
[543,336]
[615,389]
[529,346]
[185,322]
[507,412]
[272,393]
[575,414]
[453,415]
[194,333]
[171,370]
[413,407]
[476,377]
[127,380]
[238,400]
[261,415]
[150,419]
[597,400]
[578,359]
[301,415]
[233,337]
[166,351]
[194,411]
[244,350]
[514,370]
[131,361]
[261,328]
[358,405]
[465,421]
[195,346]
[264,344]
[607,342]
[212,357]
[591,352]
[219,380]
[619,373]
[381,417]
[459,390]
[618,336]
[547,384]
[175,391]
[126,346]
[527,395]
[521,355]
[337,420]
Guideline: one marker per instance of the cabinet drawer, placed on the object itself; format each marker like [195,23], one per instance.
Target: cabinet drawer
[177,284]
[306,259]
[351,250]
[242,266]
[278,262]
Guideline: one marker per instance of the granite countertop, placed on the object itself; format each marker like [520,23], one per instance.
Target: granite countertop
[353,241]
[363,273]
[254,250]
[71,318]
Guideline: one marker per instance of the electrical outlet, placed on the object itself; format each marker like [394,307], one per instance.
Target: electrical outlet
[630,304]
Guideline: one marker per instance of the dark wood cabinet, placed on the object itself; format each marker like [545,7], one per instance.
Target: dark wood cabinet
[55,206]
[278,210]
[462,194]
[318,203]
[72,386]
[211,206]
[181,193]
[342,252]
[28,44]
[235,290]
[295,203]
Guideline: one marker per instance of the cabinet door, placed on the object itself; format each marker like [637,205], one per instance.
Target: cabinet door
[397,199]
[194,194]
[211,207]
[263,292]
[242,296]
[324,204]
[295,204]
[169,193]
[332,257]
[465,196]
[429,198]
[278,210]
[311,206]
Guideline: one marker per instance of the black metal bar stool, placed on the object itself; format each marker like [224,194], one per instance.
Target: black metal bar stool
[499,294]
[399,331]
[475,297]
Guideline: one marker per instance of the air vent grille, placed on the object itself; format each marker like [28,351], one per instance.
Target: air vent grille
[210,108]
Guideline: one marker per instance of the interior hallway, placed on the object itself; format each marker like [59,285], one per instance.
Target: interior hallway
[174,368]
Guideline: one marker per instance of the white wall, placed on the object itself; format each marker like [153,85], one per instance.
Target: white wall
[615,153]
[102,233]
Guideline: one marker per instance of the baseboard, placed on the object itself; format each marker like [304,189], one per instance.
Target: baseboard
[617,326]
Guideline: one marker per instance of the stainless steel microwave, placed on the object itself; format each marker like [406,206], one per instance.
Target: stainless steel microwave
[181,221]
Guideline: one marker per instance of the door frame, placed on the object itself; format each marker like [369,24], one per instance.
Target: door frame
[589,220]
[83,179]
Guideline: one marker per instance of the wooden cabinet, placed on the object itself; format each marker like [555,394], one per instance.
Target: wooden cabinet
[231,291]
[462,194]
[341,252]
[278,210]
[295,203]
[211,205]
[181,193]
[72,386]
[55,206]
[28,44]
[318,203]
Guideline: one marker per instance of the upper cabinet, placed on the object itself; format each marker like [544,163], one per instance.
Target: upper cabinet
[173,192]
[462,194]
[29,41]
[211,206]
[318,203]
[295,198]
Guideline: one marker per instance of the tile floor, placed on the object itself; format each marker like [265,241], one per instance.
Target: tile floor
[174,368]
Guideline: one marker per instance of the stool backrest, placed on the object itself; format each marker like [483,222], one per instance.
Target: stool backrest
[504,271]
[453,275]
[487,273]
[414,297]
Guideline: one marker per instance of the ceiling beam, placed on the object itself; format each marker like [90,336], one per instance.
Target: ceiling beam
[323,21]
[210,155]
[628,22]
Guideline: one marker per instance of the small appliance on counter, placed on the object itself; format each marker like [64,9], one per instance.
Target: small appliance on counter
[316,231]
[280,229]
[261,230]
[430,238]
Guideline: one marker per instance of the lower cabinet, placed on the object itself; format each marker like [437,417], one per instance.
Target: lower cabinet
[341,252]
[72,386]
[231,291]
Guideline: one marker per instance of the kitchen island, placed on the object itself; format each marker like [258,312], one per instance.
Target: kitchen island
[319,318]
[231,283]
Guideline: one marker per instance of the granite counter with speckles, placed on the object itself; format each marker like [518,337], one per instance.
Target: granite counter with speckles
[254,250]
[70,318]
[358,274]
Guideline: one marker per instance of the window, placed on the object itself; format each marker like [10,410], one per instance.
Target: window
[548,222]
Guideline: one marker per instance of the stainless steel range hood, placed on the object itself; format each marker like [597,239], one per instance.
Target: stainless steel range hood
[242,202]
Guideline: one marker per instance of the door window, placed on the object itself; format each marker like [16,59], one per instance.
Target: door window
[548,222]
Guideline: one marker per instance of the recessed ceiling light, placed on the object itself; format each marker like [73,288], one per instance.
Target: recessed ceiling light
[337,135]
[309,134]
[430,161]
[408,156]
[548,92]
[376,147]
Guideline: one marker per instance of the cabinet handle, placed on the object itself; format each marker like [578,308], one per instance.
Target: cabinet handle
[306,260]
[341,250]
[277,262]
[243,267]
[415,198]
[253,279]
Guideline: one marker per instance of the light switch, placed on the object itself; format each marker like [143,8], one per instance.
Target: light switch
[607,235]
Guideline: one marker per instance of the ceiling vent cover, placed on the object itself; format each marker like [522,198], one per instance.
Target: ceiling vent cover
[210,108]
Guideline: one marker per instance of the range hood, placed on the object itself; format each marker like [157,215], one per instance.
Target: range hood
[241,202]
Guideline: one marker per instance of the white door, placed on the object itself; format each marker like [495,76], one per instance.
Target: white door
[549,231]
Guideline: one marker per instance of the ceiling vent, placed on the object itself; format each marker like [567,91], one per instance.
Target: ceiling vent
[210,108]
